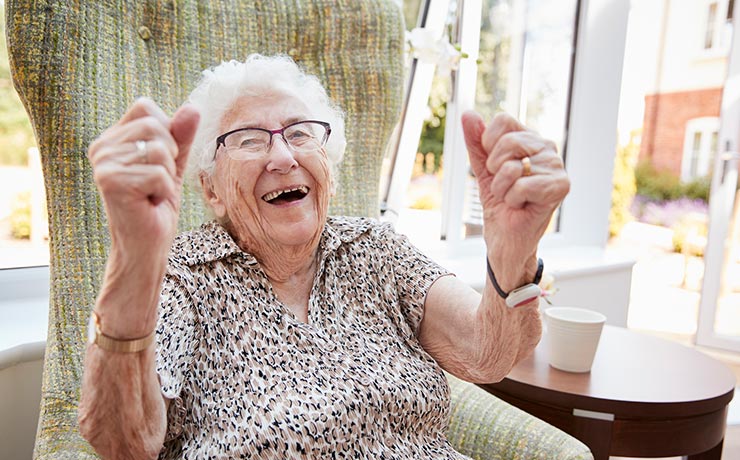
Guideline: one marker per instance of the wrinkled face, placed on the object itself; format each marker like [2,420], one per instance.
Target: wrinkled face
[276,201]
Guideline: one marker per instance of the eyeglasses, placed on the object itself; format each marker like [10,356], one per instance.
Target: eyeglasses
[252,143]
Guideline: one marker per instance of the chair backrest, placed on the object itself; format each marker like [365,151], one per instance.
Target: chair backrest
[78,65]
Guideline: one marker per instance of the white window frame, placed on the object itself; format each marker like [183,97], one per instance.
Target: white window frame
[706,126]
[722,30]
[592,136]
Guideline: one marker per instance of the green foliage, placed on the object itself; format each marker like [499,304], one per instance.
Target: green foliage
[16,134]
[624,188]
[698,188]
[433,134]
[20,216]
[664,185]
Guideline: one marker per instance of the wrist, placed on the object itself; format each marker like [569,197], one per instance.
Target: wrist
[128,299]
[106,342]
[525,293]
[513,269]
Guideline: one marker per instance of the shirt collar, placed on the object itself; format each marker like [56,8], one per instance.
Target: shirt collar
[211,241]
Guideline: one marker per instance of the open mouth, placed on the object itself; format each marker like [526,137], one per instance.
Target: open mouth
[287,195]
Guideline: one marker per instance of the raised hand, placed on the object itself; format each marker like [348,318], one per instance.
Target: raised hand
[521,180]
[138,166]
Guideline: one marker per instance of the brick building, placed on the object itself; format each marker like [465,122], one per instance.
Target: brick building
[682,104]
[673,123]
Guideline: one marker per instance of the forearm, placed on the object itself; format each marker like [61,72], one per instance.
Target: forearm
[477,337]
[122,411]
[503,336]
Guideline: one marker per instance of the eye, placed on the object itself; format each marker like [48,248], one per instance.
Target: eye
[299,135]
[246,140]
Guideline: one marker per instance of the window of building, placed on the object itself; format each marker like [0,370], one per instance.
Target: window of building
[700,147]
[709,39]
[717,29]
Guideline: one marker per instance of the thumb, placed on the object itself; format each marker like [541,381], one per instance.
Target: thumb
[183,127]
[473,128]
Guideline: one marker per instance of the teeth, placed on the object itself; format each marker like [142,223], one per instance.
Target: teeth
[272,195]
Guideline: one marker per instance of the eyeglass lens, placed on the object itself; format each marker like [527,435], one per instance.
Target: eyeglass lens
[301,137]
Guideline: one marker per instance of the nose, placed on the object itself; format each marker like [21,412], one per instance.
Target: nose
[280,156]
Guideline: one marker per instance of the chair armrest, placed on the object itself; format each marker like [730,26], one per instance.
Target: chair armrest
[484,427]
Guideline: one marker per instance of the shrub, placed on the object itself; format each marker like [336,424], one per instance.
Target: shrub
[664,185]
[657,185]
[20,216]
[698,188]
[623,191]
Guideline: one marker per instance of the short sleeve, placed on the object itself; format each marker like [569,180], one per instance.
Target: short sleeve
[176,344]
[414,274]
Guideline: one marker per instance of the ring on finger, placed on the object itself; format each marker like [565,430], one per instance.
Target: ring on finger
[141,150]
[526,167]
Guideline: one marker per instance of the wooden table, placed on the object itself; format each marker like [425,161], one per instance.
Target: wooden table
[644,397]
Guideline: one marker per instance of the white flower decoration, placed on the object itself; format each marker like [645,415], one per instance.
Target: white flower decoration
[428,47]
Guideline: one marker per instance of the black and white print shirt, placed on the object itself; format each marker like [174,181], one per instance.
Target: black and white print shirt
[247,379]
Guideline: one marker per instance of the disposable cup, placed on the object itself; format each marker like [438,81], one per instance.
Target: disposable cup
[574,335]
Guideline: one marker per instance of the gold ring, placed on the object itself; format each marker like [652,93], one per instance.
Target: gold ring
[526,167]
[142,151]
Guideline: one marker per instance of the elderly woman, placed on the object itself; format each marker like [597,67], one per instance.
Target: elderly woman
[282,332]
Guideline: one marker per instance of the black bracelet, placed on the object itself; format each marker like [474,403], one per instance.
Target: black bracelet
[501,292]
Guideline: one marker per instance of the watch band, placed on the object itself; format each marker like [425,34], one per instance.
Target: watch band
[107,343]
[522,294]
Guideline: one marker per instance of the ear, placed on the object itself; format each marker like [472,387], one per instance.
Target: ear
[210,195]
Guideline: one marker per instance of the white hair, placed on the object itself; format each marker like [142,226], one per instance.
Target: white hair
[221,86]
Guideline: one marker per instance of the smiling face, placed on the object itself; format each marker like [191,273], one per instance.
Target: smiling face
[274,205]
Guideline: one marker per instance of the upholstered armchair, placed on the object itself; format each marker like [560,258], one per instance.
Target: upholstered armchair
[78,65]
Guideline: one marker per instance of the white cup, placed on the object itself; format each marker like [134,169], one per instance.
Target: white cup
[574,335]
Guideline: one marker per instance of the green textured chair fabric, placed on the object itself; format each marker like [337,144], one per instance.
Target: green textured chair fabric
[78,65]
[516,434]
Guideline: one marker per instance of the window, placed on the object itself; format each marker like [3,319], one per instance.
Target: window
[700,147]
[710,26]
[557,66]
[23,221]
[526,55]
[717,29]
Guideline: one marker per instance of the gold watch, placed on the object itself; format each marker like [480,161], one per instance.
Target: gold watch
[96,337]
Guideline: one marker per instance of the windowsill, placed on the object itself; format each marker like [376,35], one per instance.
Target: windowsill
[24,307]
[466,259]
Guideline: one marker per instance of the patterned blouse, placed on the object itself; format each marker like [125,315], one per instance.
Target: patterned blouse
[247,379]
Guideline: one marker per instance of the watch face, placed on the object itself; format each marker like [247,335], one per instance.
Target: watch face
[91,329]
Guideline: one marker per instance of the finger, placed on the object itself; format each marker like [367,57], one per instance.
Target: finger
[159,153]
[544,189]
[515,146]
[146,128]
[184,125]
[144,107]
[143,181]
[473,127]
[505,177]
[501,124]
